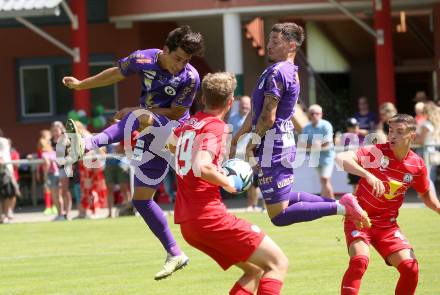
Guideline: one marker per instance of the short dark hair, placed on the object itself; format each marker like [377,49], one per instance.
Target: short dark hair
[217,88]
[190,42]
[290,31]
[410,122]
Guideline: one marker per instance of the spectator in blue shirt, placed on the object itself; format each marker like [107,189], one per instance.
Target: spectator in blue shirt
[320,139]
[236,120]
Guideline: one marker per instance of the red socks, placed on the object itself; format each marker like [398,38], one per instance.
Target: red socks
[239,290]
[351,281]
[48,199]
[409,276]
[268,286]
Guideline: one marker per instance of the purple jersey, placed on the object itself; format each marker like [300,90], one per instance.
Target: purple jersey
[281,82]
[160,88]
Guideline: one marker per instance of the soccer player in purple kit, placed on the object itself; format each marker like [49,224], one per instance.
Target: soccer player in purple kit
[169,84]
[273,105]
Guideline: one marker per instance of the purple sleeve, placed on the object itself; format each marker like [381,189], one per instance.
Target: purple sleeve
[186,94]
[130,64]
[274,85]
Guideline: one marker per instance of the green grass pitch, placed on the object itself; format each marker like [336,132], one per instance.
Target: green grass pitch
[121,256]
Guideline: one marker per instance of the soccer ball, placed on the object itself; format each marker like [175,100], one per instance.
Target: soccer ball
[241,171]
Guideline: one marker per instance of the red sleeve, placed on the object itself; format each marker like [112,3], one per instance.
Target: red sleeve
[421,181]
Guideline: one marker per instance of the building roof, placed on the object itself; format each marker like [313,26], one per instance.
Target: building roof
[27,8]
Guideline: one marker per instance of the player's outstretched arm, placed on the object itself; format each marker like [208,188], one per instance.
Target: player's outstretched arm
[348,161]
[107,77]
[431,200]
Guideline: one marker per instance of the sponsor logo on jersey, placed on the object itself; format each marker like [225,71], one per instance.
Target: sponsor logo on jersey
[265,180]
[144,60]
[285,182]
[170,90]
[394,187]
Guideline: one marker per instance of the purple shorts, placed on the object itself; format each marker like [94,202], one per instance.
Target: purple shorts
[275,178]
[150,159]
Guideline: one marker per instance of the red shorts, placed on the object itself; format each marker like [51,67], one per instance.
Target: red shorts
[385,240]
[227,239]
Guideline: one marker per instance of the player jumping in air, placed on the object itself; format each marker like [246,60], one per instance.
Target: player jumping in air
[168,86]
[273,105]
[204,222]
[388,171]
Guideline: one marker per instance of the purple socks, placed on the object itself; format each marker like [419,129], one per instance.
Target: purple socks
[157,222]
[305,207]
[111,134]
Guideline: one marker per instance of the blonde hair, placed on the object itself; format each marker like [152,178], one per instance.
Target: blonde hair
[217,88]
[388,110]
[432,112]
[44,143]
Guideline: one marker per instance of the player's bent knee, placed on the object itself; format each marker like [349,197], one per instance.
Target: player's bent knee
[281,264]
[279,221]
[409,268]
[358,264]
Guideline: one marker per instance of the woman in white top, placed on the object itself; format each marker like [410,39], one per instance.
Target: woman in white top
[5,199]
[429,135]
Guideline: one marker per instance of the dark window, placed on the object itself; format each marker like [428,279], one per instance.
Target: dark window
[35,91]
[43,95]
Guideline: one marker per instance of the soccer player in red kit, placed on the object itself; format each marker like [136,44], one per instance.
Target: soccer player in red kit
[388,171]
[204,221]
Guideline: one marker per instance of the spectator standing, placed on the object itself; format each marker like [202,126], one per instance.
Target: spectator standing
[420,116]
[236,120]
[57,129]
[428,136]
[320,136]
[15,155]
[387,110]
[7,185]
[92,181]
[366,118]
[116,175]
[49,175]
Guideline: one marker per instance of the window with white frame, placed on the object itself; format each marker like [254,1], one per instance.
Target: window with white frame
[44,96]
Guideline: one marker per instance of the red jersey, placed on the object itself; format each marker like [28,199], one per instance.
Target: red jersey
[397,177]
[196,198]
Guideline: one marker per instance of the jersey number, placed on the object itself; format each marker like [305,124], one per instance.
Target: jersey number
[184,151]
